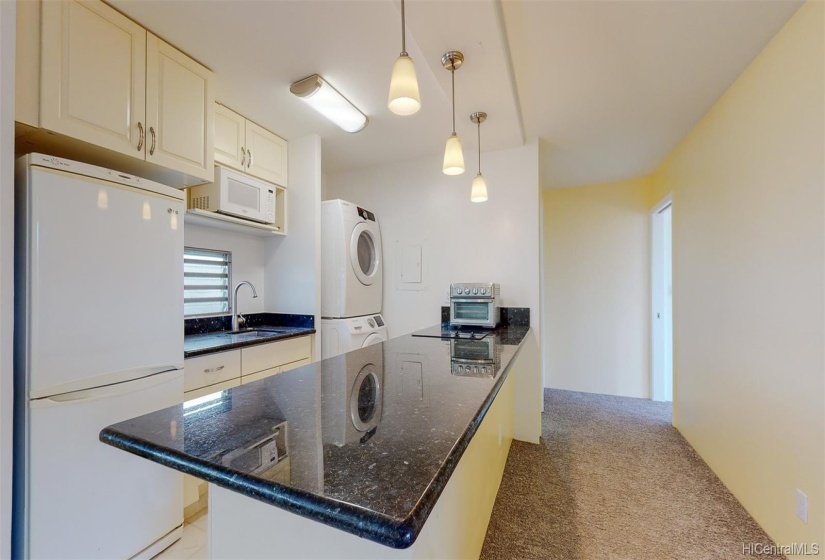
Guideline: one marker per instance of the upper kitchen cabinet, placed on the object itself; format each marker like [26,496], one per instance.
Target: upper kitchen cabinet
[243,145]
[179,110]
[104,80]
[93,73]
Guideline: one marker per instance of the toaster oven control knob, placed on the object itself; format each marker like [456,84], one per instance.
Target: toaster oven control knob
[467,291]
[483,369]
[475,291]
[475,369]
[483,291]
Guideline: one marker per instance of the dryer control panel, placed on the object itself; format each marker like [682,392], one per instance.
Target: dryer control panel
[366,214]
[366,324]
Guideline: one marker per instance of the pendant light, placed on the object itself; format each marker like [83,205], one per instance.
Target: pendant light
[403,99]
[453,154]
[479,190]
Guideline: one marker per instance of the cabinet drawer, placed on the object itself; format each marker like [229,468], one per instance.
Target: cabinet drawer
[211,369]
[266,356]
[260,375]
[209,389]
[293,365]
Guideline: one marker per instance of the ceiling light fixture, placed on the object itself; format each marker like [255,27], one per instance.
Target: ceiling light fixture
[453,154]
[479,191]
[321,96]
[404,98]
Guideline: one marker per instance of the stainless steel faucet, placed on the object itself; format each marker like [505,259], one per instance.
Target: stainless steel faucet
[237,318]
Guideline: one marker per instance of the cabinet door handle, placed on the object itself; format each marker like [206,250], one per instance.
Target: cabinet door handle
[249,163]
[213,369]
[140,138]
[243,157]
[152,132]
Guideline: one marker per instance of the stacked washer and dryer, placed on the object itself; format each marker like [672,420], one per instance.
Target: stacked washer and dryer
[352,278]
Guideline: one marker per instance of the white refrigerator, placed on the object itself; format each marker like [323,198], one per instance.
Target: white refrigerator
[98,340]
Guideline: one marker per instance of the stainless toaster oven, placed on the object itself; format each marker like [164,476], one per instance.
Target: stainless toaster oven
[475,305]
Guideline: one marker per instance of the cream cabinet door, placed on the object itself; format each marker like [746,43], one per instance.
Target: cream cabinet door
[180,108]
[230,138]
[266,154]
[93,70]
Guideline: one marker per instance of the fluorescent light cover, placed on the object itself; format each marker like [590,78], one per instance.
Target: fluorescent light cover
[453,156]
[404,98]
[479,192]
[321,96]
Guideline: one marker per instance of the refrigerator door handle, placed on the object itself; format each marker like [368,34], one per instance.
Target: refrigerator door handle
[108,391]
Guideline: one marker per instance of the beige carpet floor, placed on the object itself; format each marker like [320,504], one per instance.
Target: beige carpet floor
[612,479]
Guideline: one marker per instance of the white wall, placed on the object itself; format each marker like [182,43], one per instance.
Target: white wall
[596,331]
[293,262]
[498,241]
[248,256]
[748,278]
[7,44]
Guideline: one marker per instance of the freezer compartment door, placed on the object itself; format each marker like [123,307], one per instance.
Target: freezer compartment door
[105,282]
[87,499]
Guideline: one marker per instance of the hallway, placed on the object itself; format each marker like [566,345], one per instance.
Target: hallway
[612,478]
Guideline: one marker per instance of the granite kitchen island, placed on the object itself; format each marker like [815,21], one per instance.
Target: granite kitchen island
[395,450]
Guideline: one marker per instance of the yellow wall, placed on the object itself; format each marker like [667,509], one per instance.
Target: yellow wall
[748,189]
[596,331]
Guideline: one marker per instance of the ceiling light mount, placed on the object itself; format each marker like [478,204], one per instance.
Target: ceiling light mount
[478,117]
[324,98]
[453,153]
[452,60]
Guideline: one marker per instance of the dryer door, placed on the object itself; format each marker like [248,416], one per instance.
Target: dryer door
[373,338]
[365,399]
[364,254]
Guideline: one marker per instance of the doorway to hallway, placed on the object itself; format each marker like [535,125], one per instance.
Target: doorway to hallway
[662,300]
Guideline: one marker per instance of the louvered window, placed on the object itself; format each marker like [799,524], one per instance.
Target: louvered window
[206,275]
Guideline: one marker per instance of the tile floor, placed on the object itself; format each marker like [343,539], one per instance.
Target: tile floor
[192,545]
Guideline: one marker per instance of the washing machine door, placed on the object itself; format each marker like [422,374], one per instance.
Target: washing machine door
[365,399]
[364,254]
[372,339]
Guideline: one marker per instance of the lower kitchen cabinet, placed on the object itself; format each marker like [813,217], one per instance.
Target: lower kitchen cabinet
[221,371]
[211,369]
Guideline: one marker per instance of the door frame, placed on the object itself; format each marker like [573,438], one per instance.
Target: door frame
[657,343]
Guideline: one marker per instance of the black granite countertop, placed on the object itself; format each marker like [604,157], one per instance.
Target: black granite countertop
[364,442]
[200,344]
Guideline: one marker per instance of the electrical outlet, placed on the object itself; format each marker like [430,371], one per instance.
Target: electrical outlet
[801,505]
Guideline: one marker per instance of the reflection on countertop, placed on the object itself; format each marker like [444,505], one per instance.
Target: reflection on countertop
[371,437]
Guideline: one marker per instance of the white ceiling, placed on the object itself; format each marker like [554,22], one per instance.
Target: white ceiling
[612,87]
[609,87]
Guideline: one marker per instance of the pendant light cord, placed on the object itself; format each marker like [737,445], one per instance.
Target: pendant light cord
[479,147]
[403,31]
[452,73]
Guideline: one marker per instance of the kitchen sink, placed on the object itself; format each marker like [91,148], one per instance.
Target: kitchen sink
[256,333]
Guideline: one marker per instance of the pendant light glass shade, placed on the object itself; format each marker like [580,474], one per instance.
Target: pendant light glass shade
[404,98]
[479,192]
[453,156]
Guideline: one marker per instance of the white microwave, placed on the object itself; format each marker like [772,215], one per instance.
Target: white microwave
[236,194]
